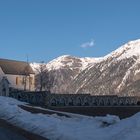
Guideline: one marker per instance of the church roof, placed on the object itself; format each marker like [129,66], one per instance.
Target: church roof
[15,67]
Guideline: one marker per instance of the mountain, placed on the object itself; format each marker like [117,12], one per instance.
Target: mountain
[116,73]
[63,70]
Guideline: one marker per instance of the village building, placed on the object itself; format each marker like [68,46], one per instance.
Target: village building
[16,75]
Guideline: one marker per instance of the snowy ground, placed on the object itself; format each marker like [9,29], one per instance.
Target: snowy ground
[6,134]
[75,127]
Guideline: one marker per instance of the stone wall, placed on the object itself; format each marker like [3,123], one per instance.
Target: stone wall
[46,99]
[35,98]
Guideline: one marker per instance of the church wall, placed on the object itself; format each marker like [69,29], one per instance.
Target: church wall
[1,72]
[18,82]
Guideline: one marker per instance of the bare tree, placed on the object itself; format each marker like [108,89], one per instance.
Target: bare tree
[41,76]
[44,80]
[49,81]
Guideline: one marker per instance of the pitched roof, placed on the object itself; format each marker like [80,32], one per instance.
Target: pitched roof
[15,67]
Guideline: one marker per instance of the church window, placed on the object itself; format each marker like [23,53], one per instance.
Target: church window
[31,80]
[17,80]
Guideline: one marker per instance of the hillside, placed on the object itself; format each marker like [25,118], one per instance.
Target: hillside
[116,73]
[62,71]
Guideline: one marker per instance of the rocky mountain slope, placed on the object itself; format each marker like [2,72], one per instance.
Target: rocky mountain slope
[62,70]
[117,73]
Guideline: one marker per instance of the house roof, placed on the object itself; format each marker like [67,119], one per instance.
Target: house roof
[15,67]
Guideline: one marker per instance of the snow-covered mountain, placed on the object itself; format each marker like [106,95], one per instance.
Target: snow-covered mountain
[128,50]
[115,73]
[63,70]
[67,61]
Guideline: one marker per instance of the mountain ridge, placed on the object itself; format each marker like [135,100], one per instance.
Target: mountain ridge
[111,74]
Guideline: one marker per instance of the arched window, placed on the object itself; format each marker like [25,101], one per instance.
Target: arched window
[79,102]
[86,101]
[53,102]
[138,103]
[31,80]
[17,80]
[70,101]
[101,102]
[62,101]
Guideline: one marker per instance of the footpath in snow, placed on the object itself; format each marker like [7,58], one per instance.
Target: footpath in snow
[70,126]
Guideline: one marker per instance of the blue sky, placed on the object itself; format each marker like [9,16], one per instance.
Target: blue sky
[46,29]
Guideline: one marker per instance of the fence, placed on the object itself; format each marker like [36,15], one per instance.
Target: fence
[48,99]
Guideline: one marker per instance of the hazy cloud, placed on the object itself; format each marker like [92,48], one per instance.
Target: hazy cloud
[88,44]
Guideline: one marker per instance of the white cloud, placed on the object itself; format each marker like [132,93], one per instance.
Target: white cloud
[88,44]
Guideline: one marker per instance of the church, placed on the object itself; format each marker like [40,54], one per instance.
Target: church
[16,75]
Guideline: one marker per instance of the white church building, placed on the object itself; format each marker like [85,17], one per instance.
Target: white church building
[17,75]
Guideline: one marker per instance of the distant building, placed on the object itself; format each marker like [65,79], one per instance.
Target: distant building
[16,74]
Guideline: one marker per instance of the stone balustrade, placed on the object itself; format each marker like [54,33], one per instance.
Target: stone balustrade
[48,99]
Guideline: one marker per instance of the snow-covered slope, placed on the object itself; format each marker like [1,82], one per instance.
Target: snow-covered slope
[35,66]
[128,50]
[67,61]
[75,127]
[63,70]
[116,73]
